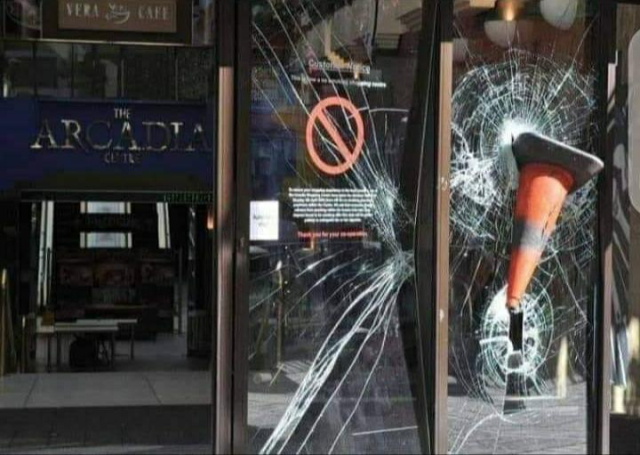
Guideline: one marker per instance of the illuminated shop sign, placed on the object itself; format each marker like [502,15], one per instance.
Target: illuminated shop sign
[144,16]
[106,146]
[159,21]
[122,139]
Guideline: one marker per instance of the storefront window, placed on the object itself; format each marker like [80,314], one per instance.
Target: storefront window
[85,84]
[54,70]
[333,83]
[19,74]
[104,71]
[520,69]
[203,14]
[109,66]
[149,73]
[193,74]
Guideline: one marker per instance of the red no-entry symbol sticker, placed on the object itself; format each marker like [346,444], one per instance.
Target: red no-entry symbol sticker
[348,155]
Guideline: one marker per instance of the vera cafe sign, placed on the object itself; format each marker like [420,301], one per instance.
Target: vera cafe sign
[124,138]
[151,147]
[143,16]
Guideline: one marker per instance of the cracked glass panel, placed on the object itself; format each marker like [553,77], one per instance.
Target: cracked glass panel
[332,88]
[520,67]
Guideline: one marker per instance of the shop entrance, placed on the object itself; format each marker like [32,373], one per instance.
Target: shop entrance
[109,305]
[107,228]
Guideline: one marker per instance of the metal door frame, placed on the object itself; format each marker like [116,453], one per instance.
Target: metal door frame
[599,392]
[233,46]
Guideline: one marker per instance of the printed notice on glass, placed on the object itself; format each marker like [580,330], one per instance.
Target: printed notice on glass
[265,221]
[332,205]
[332,213]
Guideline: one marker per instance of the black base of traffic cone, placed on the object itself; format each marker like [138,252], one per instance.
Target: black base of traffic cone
[516,381]
[516,387]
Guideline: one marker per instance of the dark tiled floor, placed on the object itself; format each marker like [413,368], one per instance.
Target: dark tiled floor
[625,434]
[152,429]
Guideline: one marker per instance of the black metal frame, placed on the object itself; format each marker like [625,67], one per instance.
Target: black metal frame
[243,185]
[416,308]
[233,45]
[599,391]
[425,188]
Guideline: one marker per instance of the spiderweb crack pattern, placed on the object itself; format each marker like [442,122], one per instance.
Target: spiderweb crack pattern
[492,104]
[363,307]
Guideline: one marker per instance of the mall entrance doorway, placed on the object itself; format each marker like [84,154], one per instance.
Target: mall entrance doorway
[109,304]
[107,227]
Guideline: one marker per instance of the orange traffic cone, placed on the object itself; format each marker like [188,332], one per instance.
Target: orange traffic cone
[541,194]
[549,171]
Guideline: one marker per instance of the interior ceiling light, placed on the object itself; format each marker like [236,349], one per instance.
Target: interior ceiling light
[509,10]
[501,24]
[559,13]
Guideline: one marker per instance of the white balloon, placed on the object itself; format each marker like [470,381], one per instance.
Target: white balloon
[559,13]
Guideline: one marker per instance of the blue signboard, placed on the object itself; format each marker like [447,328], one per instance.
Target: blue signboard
[49,145]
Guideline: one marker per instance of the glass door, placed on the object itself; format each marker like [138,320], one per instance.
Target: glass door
[332,351]
[524,297]
[107,226]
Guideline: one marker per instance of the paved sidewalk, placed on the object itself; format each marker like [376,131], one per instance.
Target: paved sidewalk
[105,389]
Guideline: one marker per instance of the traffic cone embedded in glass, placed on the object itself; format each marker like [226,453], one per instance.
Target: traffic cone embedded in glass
[549,171]
[541,195]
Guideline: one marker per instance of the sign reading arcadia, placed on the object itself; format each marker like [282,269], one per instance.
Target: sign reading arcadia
[106,146]
[122,139]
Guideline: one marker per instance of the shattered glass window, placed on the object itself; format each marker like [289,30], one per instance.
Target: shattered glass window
[523,219]
[333,82]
